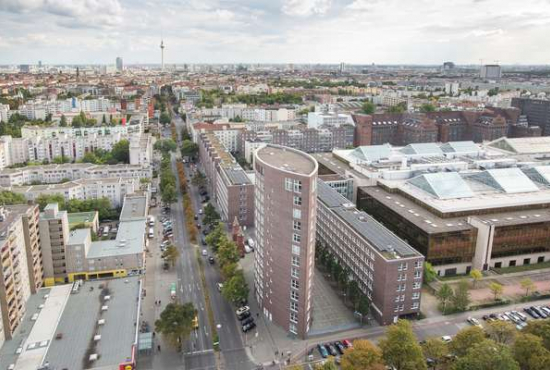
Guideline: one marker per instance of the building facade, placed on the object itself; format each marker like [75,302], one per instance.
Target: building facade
[286,208]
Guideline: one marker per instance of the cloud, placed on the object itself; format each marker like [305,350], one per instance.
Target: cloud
[305,8]
[70,13]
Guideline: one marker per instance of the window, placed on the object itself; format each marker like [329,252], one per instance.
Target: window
[293,329]
[296,213]
[415,306]
[417,274]
[416,285]
[294,272]
[293,317]
[295,249]
[296,238]
[297,186]
[296,225]
[295,260]
[294,306]
[416,295]
[297,200]
[295,284]
[294,295]
[418,264]
[288,184]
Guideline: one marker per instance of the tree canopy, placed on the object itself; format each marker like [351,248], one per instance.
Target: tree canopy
[176,322]
[363,355]
[400,348]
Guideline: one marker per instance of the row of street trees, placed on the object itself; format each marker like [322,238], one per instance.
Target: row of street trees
[341,275]
[498,347]
[167,180]
[235,289]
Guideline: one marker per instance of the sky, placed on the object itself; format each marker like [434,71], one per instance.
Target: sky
[275,31]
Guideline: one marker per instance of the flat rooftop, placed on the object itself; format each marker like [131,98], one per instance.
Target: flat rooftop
[389,245]
[11,214]
[135,207]
[287,159]
[81,217]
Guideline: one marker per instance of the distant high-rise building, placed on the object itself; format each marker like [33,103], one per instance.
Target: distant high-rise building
[39,64]
[342,67]
[119,64]
[162,55]
[286,209]
[490,72]
[24,68]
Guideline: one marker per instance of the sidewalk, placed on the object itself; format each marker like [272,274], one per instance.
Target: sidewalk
[157,287]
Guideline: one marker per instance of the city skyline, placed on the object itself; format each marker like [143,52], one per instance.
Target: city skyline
[286,31]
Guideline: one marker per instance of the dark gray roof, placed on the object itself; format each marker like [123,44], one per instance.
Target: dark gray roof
[364,224]
[237,176]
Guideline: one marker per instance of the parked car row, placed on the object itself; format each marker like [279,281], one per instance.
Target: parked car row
[518,318]
[245,317]
[334,348]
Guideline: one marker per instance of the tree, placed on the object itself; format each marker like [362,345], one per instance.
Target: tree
[229,270]
[189,149]
[165,118]
[444,296]
[8,198]
[427,107]
[171,254]
[476,275]
[90,157]
[461,298]
[466,339]
[43,200]
[435,350]
[487,355]
[363,306]
[236,289]
[353,292]
[528,285]
[541,329]
[228,253]
[176,322]
[429,273]
[104,120]
[496,289]
[63,121]
[399,108]
[368,108]
[328,365]
[501,332]
[121,151]
[210,215]
[60,159]
[363,355]
[400,348]
[529,352]
[165,146]
[199,179]
[216,236]
[168,194]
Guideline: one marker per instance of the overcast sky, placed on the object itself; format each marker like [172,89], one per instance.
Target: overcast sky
[282,31]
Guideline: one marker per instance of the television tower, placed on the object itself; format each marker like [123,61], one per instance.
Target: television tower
[162,55]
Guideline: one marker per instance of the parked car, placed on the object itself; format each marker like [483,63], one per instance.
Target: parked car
[211,260]
[331,349]
[347,343]
[322,351]
[242,310]
[220,287]
[339,347]
[247,321]
[531,313]
[249,327]
[196,217]
[446,339]
[244,315]
[204,252]
[520,315]
[474,321]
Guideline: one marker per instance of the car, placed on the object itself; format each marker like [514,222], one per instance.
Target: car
[211,260]
[520,315]
[322,351]
[485,317]
[446,339]
[198,226]
[545,309]
[493,316]
[242,310]
[247,321]
[196,217]
[200,211]
[339,347]
[203,242]
[205,232]
[539,312]
[244,315]
[331,349]
[249,327]
[347,343]
[168,236]
[204,252]
[220,287]
[474,321]
[531,313]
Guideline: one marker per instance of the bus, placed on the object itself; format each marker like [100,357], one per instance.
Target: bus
[173,290]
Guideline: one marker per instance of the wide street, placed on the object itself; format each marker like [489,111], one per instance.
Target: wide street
[198,350]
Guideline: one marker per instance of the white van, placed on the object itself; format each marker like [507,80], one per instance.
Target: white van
[151,232]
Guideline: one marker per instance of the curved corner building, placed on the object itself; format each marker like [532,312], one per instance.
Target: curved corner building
[286,207]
